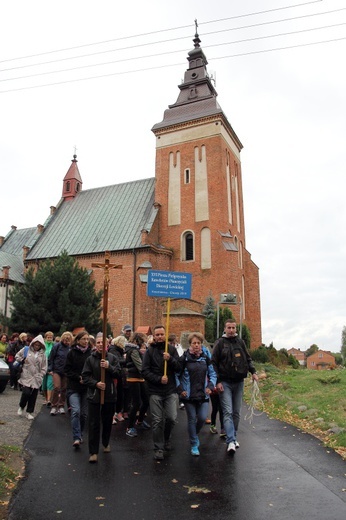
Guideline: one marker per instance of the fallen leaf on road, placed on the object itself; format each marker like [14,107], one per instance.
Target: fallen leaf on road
[174,481]
[195,489]
[194,506]
[100,498]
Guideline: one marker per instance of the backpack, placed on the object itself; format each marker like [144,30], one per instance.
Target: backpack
[18,365]
[237,360]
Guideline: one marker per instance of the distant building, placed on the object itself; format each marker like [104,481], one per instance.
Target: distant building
[320,360]
[298,354]
[189,217]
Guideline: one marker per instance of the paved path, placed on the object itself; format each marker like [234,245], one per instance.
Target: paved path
[278,473]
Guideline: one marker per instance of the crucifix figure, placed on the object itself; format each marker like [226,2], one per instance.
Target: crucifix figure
[106,266]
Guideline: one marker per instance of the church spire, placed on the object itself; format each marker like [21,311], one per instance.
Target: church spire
[72,183]
[197,96]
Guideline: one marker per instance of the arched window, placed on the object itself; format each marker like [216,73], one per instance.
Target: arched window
[187,246]
[68,186]
[78,187]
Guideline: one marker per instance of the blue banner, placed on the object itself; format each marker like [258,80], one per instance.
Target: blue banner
[169,284]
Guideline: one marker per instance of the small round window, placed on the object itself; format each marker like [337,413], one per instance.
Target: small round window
[194,75]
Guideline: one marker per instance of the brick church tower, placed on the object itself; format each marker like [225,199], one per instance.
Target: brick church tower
[199,191]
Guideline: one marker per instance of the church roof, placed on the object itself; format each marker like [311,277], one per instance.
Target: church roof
[16,265]
[16,239]
[11,251]
[110,218]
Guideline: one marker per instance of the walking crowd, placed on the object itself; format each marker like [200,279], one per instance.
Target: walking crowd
[135,378]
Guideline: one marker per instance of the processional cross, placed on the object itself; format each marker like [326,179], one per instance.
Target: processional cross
[106,267]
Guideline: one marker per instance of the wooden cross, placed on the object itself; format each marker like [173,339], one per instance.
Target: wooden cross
[106,267]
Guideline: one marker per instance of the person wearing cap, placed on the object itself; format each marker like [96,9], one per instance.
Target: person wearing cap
[127,331]
[34,363]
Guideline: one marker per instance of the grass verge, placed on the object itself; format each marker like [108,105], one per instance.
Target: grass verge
[11,471]
[313,401]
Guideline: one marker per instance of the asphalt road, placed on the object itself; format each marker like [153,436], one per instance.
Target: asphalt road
[278,473]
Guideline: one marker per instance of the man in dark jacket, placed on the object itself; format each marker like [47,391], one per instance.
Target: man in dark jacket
[91,377]
[162,389]
[231,362]
[76,391]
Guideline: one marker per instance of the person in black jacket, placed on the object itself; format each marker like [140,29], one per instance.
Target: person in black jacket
[231,362]
[162,389]
[91,377]
[76,390]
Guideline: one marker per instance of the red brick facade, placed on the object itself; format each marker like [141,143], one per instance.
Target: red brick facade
[199,226]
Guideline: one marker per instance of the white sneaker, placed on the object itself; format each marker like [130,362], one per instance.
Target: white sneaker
[20,411]
[230,448]
[29,416]
[237,445]
[62,410]
[53,411]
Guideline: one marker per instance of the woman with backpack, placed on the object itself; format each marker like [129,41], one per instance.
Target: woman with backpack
[56,367]
[197,381]
[135,351]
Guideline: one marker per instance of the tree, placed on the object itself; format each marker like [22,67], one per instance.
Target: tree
[311,350]
[245,334]
[59,296]
[343,344]
[209,308]
[209,311]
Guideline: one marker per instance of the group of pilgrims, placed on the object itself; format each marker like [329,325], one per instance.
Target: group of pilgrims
[136,378]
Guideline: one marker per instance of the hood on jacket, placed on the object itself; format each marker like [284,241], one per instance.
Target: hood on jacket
[130,346]
[39,339]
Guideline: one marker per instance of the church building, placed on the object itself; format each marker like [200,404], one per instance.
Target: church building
[188,218]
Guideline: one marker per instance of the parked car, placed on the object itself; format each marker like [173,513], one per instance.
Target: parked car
[4,374]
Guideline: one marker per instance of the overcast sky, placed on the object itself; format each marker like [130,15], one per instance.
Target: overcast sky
[287,107]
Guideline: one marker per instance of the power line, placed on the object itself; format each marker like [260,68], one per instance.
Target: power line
[68,58]
[172,65]
[159,31]
[171,52]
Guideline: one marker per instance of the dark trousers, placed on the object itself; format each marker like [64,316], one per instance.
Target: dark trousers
[99,414]
[140,401]
[28,398]
[216,407]
[120,396]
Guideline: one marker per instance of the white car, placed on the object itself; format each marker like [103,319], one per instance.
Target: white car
[4,374]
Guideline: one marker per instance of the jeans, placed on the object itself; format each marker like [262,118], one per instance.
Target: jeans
[163,409]
[231,400]
[197,412]
[79,407]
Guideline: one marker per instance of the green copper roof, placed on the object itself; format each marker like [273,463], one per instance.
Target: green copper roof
[16,265]
[110,218]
